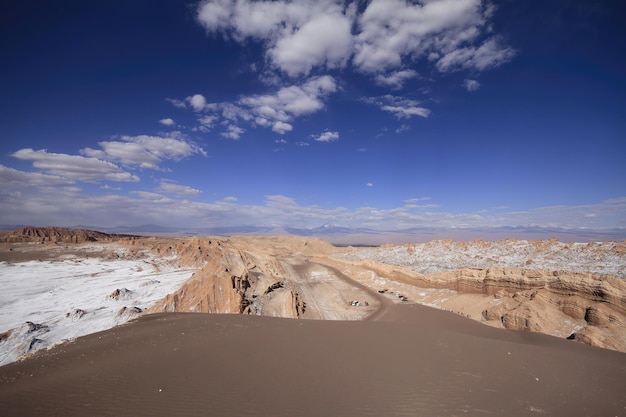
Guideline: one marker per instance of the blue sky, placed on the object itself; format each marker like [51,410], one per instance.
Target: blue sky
[384,114]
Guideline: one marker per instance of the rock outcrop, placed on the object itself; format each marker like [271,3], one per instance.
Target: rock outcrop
[59,235]
[586,307]
[234,280]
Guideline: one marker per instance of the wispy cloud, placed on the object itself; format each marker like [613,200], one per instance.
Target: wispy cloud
[488,55]
[46,198]
[471,85]
[74,167]
[171,187]
[396,79]
[401,107]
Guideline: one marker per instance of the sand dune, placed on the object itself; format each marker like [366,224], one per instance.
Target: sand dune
[413,361]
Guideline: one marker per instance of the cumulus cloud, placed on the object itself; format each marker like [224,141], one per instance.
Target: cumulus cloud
[276,110]
[291,101]
[144,151]
[323,40]
[74,167]
[383,39]
[401,107]
[298,35]
[326,136]
[392,32]
[471,85]
[383,36]
[281,127]
[167,122]
[197,102]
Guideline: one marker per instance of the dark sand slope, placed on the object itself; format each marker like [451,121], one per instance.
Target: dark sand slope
[413,361]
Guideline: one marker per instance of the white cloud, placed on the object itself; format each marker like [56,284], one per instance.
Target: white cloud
[369,184]
[282,127]
[276,110]
[401,107]
[233,132]
[297,35]
[171,187]
[489,55]
[326,136]
[177,103]
[13,179]
[403,128]
[197,102]
[167,122]
[207,122]
[381,38]
[393,31]
[144,151]
[66,206]
[396,79]
[471,85]
[292,101]
[416,199]
[325,39]
[74,167]
[280,201]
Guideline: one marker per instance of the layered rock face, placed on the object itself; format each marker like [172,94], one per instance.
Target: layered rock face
[587,307]
[235,278]
[59,235]
[530,300]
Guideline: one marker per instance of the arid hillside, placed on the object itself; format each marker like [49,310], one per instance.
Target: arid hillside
[573,291]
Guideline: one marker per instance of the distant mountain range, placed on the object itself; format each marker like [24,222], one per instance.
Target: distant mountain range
[347,235]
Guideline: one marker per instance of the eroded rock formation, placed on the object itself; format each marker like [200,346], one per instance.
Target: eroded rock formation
[59,235]
[236,280]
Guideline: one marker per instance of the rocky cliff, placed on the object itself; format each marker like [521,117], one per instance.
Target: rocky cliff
[587,307]
[237,278]
[58,235]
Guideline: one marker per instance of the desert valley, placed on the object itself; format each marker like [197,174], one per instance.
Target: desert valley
[98,324]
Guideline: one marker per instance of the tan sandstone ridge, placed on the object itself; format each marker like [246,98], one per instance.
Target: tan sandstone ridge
[249,275]
[58,235]
[241,275]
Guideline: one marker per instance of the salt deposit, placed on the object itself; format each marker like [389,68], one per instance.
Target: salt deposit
[439,256]
[45,302]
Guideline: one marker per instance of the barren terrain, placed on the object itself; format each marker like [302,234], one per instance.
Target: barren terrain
[55,290]
[367,348]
